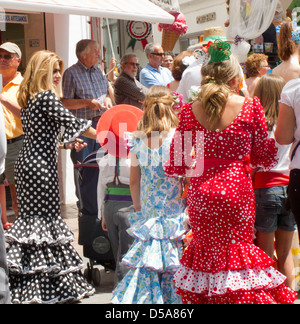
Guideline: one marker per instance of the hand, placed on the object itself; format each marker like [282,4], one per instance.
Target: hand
[95,105]
[107,103]
[104,226]
[112,64]
[78,145]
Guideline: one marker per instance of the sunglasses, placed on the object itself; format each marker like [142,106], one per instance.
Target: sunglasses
[158,54]
[6,57]
[56,71]
[133,64]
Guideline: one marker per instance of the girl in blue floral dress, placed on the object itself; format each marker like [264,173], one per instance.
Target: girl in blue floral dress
[158,224]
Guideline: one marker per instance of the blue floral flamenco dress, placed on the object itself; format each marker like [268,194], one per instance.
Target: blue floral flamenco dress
[158,231]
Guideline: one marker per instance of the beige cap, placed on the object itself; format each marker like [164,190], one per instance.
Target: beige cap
[11,48]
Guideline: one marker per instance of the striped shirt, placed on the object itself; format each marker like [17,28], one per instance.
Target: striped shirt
[80,82]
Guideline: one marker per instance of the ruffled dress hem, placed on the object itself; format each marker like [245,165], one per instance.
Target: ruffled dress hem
[44,267]
[236,274]
[153,259]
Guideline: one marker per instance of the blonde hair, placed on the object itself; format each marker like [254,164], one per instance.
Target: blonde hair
[158,115]
[216,89]
[38,76]
[268,90]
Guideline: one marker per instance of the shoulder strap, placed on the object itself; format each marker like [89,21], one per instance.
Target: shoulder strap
[295,150]
[117,172]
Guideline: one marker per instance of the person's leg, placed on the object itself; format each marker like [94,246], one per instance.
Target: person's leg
[125,240]
[13,151]
[265,241]
[3,205]
[14,201]
[284,240]
[266,220]
[284,254]
[4,286]
[294,196]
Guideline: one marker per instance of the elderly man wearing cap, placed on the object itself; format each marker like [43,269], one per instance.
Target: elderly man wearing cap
[10,59]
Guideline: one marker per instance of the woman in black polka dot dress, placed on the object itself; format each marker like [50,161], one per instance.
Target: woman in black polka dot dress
[44,267]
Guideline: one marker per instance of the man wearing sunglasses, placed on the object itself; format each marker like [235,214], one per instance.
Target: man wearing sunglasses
[10,59]
[154,74]
[128,90]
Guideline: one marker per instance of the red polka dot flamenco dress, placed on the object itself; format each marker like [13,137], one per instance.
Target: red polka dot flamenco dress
[222,265]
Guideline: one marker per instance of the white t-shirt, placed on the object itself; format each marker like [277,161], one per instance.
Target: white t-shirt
[283,164]
[290,96]
[192,77]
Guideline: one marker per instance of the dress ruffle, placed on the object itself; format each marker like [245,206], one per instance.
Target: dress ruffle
[37,230]
[157,242]
[224,282]
[43,289]
[78,127]
[141,286]
[280,295]
[237,274]
[158,228]
[43,265]
[199,257]
[153,259]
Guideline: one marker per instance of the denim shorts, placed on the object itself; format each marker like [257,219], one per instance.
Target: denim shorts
[271,213]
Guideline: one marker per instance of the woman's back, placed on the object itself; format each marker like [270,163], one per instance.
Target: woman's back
[231,111]
[289,70]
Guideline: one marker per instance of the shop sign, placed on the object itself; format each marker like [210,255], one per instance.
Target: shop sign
[207,18]
[13,18]
[167,5]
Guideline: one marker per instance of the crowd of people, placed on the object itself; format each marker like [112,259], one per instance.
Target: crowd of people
[215,170]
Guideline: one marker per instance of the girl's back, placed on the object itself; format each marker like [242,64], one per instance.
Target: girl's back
[158,191]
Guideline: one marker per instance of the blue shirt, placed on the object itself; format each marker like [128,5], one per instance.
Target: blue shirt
[150,76]
[80,82]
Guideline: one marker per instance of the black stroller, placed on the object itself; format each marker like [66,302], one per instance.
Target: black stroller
[95,241]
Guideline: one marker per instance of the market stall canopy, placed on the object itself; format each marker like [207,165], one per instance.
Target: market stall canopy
[141,10]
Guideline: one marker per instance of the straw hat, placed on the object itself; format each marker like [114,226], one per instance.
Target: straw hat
[112,126]
[210,35]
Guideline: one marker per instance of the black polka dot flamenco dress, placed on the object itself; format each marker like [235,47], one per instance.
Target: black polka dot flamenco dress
[43,265]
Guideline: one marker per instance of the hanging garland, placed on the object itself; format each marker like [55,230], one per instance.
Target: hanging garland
[138,31]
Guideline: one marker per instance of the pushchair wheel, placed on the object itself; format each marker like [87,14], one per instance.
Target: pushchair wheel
[92,275]
[96,277]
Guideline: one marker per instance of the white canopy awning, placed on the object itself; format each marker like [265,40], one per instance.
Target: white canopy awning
[141,10]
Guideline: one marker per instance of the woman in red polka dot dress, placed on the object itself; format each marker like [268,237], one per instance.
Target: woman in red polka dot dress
[228,133]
